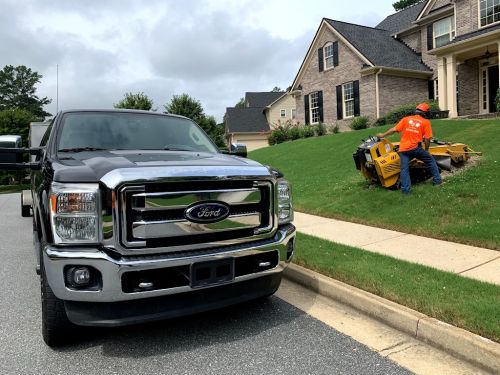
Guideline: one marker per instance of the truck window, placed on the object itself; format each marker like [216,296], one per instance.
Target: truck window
[131,131]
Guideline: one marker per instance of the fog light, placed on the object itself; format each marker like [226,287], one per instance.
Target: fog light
[81,276]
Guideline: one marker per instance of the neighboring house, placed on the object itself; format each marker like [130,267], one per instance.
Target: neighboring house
[253,123]
[412,55]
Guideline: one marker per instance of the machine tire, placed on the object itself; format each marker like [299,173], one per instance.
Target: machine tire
[25,209]
[56,327]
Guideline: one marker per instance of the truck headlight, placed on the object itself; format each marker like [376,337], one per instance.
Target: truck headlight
[285,210]
[74,213]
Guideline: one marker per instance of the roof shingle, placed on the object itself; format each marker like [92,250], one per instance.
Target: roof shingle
[246,120]
[379,47]
[262,99]
[403,19]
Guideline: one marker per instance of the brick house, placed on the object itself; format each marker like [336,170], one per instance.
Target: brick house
[435,49]
[252,123]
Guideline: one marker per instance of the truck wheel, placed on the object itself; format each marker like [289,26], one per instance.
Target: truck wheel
[25,209]
[56,327]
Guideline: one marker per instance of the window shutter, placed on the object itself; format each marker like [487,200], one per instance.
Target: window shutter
[320,105]
[430,37]
[320,59]
[339,103]
[336,54]
[431,89]
[306,108]
[357,111]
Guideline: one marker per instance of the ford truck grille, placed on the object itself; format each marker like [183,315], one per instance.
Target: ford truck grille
[152,215]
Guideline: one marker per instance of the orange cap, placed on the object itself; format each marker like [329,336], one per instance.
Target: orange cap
[424,107]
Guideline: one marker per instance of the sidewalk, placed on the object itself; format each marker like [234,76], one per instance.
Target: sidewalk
[469,261]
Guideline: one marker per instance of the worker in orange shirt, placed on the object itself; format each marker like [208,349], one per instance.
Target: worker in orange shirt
[416,134]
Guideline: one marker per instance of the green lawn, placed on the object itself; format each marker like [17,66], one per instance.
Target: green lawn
[465,209]
[465,303]
[8,189]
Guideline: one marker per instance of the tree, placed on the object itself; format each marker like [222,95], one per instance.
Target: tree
[184,105]
[276,89]
[15,122]
[403,4]
[191,108]
[18,91]
[135,101]
[240,104]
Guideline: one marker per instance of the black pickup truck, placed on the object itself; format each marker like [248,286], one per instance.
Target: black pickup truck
[137,216]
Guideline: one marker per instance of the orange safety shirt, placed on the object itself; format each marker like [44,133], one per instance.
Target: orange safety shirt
[413,129]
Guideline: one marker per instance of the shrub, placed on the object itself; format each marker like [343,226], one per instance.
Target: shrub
[294,133]
[358,123]
[497,101]
[320,129]
[307,131]
[278,135]
[334,129]
[398,113]
[380,121]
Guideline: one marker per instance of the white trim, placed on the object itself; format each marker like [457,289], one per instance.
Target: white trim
[311,122]
[483,111]
[325,68]
[425,9]
[479,27]
[452,32]
[324,24]
[344,116]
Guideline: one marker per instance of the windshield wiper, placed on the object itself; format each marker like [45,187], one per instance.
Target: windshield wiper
[81,149]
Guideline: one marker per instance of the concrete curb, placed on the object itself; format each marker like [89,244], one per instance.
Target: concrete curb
[475,349]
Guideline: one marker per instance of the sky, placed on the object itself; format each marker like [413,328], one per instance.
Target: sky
[213,50]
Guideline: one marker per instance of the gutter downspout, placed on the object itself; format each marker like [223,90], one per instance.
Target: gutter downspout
[377,93]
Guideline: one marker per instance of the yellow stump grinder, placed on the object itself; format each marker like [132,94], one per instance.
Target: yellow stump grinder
[378,160]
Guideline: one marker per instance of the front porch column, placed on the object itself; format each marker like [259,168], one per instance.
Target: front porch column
[442,90]
[451,85]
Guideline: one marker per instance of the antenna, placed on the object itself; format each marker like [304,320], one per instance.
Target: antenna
[57,88]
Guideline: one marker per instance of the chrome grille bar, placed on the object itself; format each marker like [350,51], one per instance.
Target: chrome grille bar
[183,199]
[174,228]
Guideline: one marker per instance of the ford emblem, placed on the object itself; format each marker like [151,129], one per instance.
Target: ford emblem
[207,212]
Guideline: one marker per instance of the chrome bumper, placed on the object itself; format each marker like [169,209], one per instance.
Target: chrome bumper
[56,259]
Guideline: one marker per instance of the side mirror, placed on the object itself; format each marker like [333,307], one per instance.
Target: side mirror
[238,149]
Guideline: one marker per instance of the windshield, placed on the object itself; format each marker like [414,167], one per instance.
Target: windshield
[87,131]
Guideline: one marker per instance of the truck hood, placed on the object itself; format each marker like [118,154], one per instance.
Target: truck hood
[93,166]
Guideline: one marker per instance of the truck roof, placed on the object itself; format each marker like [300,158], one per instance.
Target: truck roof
[115,110]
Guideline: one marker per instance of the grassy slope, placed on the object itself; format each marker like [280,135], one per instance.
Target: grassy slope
[465,209]
[463,302]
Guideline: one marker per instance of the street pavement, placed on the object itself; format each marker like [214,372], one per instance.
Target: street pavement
[262,337]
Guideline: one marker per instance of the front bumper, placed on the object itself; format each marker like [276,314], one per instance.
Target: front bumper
[55,260]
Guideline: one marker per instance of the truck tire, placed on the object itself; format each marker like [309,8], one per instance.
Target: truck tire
[25,209]
[56,327]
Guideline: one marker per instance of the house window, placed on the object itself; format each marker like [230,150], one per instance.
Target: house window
[328,55]
[444,31]
[489,12]
[348,99]
[294,113]
[314,107]
[283,113]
